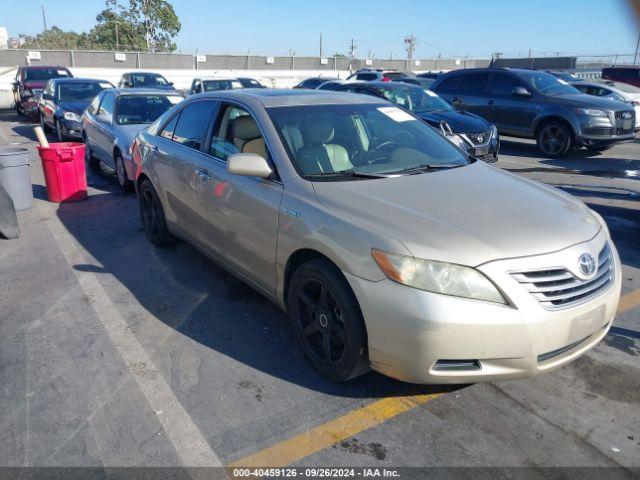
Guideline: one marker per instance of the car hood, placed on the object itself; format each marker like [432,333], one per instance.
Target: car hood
[75,107]
[582,100]
[469,215]
[460,122]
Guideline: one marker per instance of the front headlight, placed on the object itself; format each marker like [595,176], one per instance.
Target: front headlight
[74,117]
[592,112]
[494,131]
[437,277]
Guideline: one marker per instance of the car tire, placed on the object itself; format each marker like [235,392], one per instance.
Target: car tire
[59,134]
[121,173]
[152,216]
[88,156]
[327,321]
[554,139]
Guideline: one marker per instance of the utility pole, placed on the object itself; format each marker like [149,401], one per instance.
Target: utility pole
[117,39]
[352,48]
[44,18]
[411,44]
[321,49]
[637,47]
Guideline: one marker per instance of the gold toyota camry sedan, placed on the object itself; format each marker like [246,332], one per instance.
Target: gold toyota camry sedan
[390,248]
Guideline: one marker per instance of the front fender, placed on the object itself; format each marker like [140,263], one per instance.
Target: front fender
[561,113]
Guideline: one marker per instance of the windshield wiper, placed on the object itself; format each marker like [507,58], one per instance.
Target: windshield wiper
[427,168]
[347,174]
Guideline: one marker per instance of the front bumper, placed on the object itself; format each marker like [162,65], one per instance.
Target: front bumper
[71,128]
[486,151]
[410,330]
[602,130]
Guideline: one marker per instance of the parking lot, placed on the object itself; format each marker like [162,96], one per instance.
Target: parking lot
[116,353]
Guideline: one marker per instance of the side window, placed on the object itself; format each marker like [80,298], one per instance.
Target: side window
[106,107]
[193,123]
[236,132]
[93,107]
[474,82]
[452,83]
[504,84]
[167,131]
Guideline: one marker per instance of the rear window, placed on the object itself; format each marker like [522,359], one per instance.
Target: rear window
[366,76]
[474,82]
[39,74]
[393,75]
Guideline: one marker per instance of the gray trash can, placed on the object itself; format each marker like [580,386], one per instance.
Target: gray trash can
[15,176]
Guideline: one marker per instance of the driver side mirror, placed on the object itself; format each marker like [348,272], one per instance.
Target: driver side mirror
[248,165]
[521,92]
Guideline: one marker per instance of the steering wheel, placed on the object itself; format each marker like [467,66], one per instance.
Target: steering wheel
[388,145]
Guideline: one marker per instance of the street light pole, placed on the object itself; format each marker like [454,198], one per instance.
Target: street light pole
[637,46]
[44,18]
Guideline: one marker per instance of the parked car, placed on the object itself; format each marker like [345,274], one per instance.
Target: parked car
[64,100]
[112,121]
[330,85]
[566,76]
[377,75]
[477,136]
[388,247]
[621,92]
[534,104]
[144,80]
[250,82]
[315,82]
[630,74]
[213,84]
[29,83]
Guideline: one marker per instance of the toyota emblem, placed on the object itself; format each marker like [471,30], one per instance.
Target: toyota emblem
[587,264]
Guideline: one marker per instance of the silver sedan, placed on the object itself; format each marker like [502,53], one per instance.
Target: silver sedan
[112,121]
[390,248]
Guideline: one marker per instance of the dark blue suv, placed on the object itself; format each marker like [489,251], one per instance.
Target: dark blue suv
[534,104]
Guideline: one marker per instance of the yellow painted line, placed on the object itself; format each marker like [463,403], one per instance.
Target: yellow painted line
[328,434]
[629,301]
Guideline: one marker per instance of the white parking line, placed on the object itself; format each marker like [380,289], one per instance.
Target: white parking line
[191,446]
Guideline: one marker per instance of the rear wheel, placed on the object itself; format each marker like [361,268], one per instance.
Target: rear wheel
[327,321]
[152,215]
[555,139]
[121,173]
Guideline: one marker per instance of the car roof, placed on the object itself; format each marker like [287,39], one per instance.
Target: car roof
[41,67]
[142,91]
[289,97]
[207,79]
[78,80]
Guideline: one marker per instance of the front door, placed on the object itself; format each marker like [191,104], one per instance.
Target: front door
[240,213]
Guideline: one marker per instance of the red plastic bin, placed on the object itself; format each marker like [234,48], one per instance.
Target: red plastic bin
[64,171]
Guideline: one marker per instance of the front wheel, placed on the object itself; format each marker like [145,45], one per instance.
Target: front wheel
[43,124]
[59,133]
[152,215]
[327,321]
[555,139]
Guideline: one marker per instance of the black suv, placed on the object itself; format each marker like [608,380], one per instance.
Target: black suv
[534,104]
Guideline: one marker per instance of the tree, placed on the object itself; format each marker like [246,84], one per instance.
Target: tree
[55,37]
[142,24]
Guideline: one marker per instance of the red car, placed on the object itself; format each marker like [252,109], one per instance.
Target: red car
[29,83]
[630,75]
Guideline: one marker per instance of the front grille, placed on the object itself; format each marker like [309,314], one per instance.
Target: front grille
[598,131]
[628,114]
[624,131]
[557,288]
[478,138]
[556,353]
[625,121]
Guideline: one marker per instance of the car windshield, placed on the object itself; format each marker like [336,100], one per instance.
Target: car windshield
[149,80]
[36,74]
[416,99]
[137,109]
[547,84]
[351,141]
[213,85]
[80,92]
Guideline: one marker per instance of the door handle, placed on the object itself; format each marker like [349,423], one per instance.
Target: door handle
[204,175]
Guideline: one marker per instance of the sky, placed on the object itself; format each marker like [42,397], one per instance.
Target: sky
[453,28]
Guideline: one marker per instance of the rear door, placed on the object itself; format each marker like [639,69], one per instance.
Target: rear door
[240,214]
[178,154]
